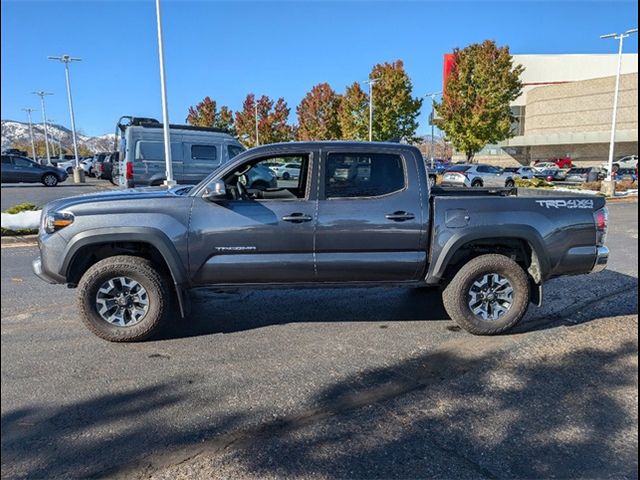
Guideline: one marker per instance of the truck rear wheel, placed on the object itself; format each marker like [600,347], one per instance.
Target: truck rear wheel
[489,295]
[123,299]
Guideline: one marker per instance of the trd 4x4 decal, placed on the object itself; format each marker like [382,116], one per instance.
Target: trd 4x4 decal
[566,203]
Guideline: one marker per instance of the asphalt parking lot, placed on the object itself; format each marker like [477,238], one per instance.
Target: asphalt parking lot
[341,383]
[15,193]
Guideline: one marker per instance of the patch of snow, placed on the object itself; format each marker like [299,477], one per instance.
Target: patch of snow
[21,220]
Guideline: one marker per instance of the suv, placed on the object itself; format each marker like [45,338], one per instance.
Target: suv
[17,169]
[520,172]
[585,175]
[195,152]
[477,176]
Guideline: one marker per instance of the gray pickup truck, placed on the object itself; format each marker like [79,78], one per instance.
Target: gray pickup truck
[360,214]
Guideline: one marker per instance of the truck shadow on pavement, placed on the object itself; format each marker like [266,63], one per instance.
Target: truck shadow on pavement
[469,409]
[574,300]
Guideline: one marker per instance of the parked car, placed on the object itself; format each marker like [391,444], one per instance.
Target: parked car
[439,166]
[552,175]
[520,172]
[15,151]
[288,171]
[540,166]
[477,176]
[560,162]
[585,174]
[17,169]
[132,254]
[628,161]
[104,166]
[195,152]
[68,165]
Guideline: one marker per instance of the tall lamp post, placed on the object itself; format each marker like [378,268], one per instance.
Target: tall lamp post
[43,94]
[371,82]
[33,143]
[433,96]
[78,173]
[620,37]
[169,182]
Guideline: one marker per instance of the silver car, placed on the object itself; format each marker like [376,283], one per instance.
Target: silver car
[477,176]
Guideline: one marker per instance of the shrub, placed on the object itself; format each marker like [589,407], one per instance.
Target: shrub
[533,183]
[21,207]
[621,186]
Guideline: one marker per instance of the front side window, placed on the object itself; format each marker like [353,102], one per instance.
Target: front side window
[204,152]
[268,179]
[234,150]
[352,175]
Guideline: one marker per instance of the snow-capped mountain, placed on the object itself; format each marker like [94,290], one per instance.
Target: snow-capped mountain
[17,133]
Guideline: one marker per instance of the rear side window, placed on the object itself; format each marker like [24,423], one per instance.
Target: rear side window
[6,160]
[357,175]
[155,151]
[204,152]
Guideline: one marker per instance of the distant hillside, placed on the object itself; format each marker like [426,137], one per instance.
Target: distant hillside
[18,132]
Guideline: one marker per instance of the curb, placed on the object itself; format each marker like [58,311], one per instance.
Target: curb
[9,241]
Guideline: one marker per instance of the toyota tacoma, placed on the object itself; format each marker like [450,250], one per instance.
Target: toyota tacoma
[359,214]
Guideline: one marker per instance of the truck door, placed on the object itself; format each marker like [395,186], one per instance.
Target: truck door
[372,217]
[257,236]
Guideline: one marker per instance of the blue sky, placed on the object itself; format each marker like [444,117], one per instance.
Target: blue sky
[228,49]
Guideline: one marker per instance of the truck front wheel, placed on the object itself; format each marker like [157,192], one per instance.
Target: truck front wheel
[123,299]
[487,296]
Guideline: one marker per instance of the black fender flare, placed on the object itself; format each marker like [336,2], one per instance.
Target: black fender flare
[524,233]
[150,235]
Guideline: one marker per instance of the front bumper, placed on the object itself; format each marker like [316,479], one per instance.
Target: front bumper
[602,258]
[36,265]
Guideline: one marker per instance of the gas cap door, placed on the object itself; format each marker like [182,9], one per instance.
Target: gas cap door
[456,218]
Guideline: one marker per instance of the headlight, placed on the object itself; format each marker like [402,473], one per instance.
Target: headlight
[55,221]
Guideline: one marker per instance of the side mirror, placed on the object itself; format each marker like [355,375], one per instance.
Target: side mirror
[215,190]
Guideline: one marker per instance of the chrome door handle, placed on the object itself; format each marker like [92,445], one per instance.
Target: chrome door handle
[400,216]
[297,218]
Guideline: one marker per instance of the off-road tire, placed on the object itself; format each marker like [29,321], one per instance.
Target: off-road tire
[455,295]
[138,269]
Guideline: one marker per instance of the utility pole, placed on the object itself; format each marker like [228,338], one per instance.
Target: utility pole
[78,173]
[33,143]
[433,96]
[371,82]
[169,182]
[43,94]
[620,37]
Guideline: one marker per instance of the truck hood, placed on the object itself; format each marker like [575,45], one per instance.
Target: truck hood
[147,193]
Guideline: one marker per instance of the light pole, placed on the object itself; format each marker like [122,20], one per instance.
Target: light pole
[33,143]
[256,118]
[78,173]
[371,82]
[50,121]
[54,140]
[433,96]
[43,94]
[169,182]
[620,37]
